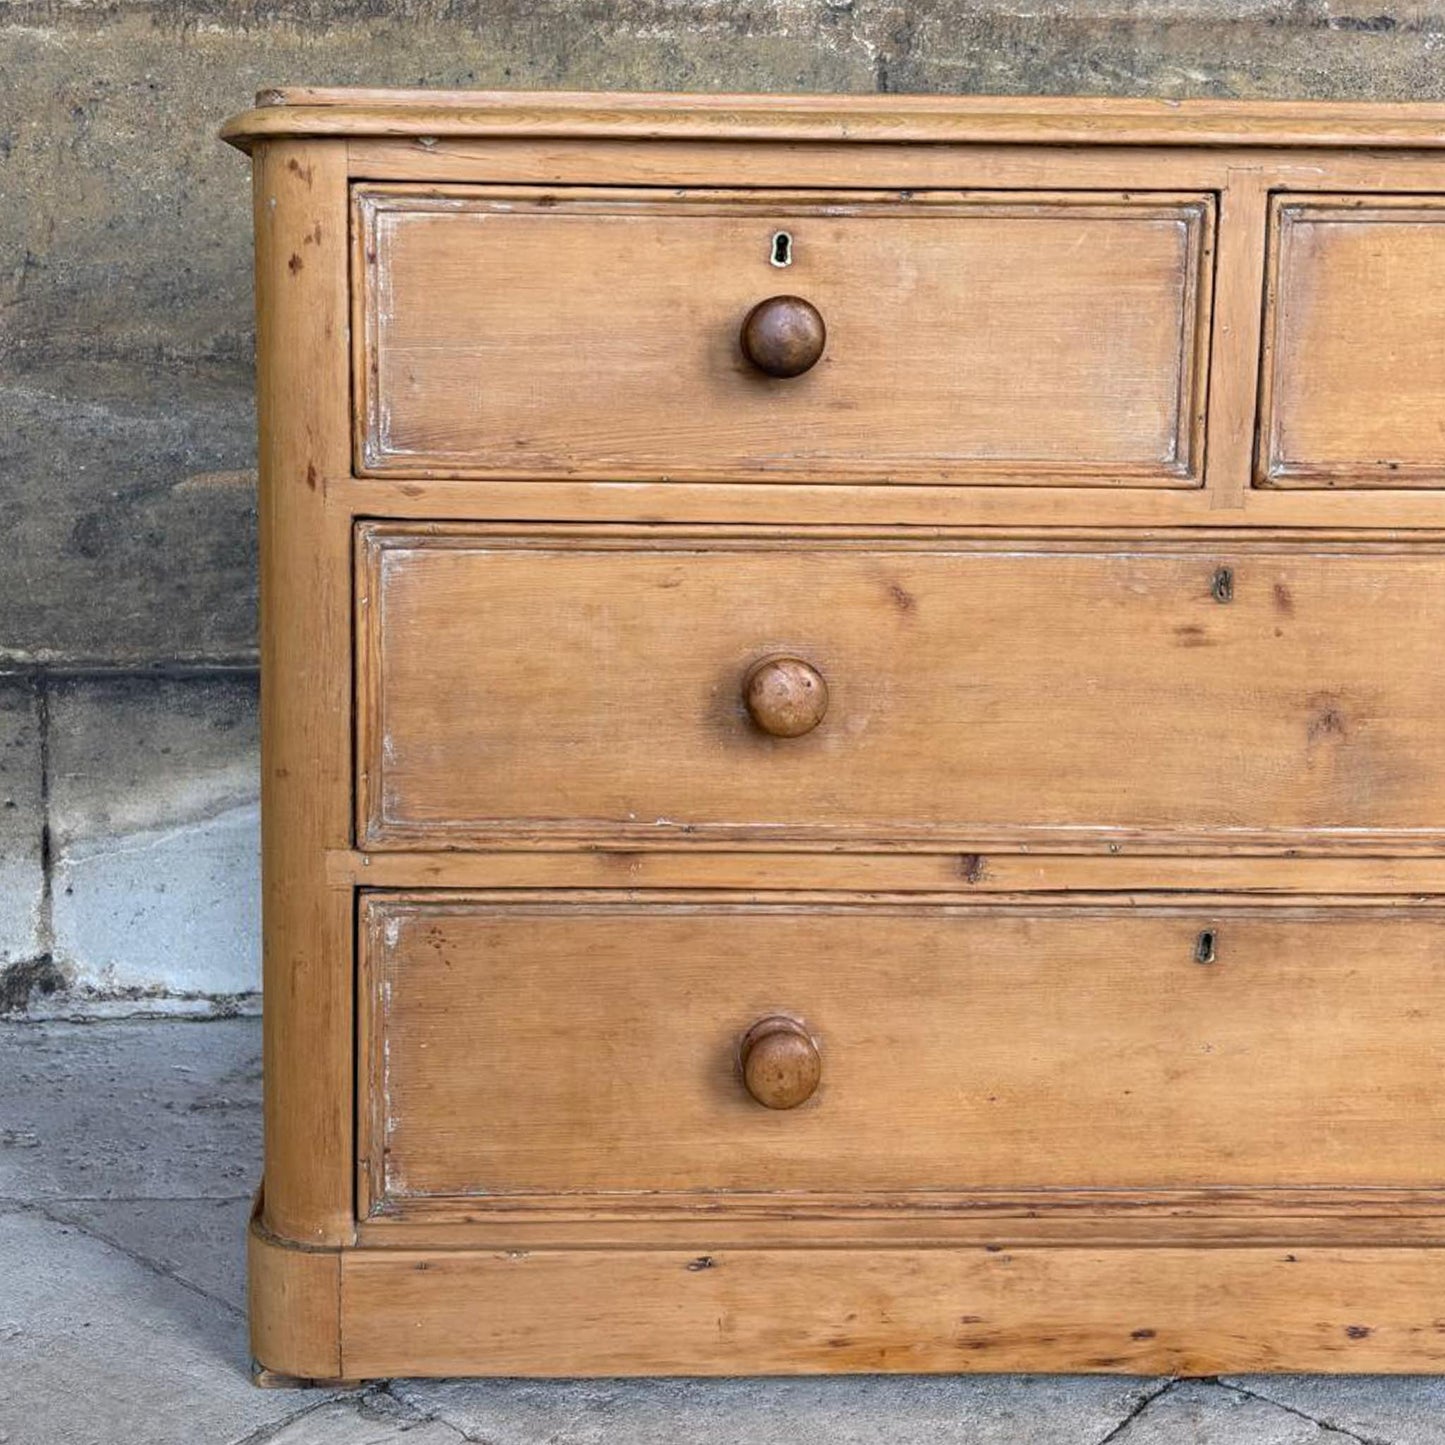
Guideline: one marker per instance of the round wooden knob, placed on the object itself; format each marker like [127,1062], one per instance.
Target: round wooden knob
[783,335]
[780,1062]
[785,696]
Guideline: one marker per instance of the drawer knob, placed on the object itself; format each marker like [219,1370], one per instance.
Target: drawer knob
[780,1062]
[784,335]
[785,696]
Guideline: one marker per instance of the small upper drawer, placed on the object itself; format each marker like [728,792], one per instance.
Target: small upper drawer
[984,338]
[665,685]
[1354,366]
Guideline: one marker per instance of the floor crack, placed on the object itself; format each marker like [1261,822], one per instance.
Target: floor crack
[421,1415]
[66,1222]
[1138,1409]
[397,1409]
[273,1428]
[1304,1415]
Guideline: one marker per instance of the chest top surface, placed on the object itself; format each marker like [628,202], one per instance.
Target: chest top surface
[1036,120]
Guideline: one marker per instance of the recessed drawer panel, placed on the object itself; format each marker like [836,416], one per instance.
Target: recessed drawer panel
[597,1047]
[665,687]
[946,337]
[1354,379]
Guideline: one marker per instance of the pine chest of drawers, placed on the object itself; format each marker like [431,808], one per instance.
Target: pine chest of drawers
[854,735]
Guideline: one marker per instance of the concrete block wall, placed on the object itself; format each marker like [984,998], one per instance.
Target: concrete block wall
[129,843]
[127,489]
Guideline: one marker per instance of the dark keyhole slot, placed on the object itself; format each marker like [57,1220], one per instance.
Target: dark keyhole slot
[1204,947]
[1223,585]
[782,249]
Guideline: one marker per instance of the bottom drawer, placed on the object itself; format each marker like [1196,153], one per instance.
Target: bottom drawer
[591,1044]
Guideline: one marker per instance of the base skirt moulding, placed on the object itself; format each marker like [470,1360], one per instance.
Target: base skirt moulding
[607,1311]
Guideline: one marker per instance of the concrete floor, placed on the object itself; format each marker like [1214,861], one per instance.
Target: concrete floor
[127,1154]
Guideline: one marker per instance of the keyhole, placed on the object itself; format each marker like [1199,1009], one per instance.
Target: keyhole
[782,249]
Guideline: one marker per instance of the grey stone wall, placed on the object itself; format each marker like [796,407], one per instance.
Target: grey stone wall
[128,842]
[127,590]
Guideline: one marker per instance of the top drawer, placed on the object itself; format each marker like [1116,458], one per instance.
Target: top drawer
[970,338]
[1354,372]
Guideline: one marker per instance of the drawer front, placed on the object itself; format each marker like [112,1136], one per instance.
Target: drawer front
[594,1047]
[1354,376]
[584,687]
[1004,338]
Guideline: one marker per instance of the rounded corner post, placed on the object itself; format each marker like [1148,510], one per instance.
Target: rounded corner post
[303,411]
[294,1299]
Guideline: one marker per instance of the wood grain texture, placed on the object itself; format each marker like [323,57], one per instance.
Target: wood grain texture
[802,1311]
[1029,120]
[1354,369]
[1107,885]
[970,338]
[1116,872]
[302,402]
[1005,511]
[1244,204]
[589,690]
[843,164]
[294,1298]
[962,1048]
[894,1226]
[1199,1218]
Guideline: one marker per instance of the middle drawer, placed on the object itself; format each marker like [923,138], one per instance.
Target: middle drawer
[642,686]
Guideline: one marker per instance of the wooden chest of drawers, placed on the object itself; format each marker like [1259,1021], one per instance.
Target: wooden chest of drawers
[854,736]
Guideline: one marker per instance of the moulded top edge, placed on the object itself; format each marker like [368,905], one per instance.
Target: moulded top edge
[301,112]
